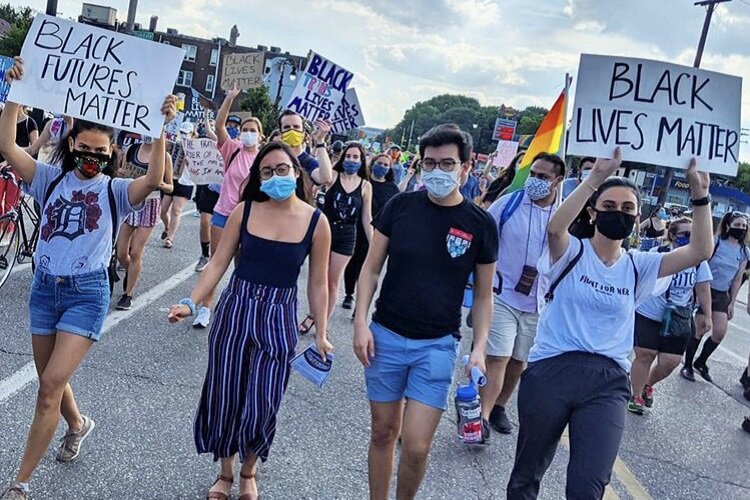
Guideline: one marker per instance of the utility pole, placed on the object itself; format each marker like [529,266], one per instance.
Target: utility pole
[710,7]
[51,7]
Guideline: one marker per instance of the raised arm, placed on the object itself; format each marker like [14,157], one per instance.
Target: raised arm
[139,189]
[701,240]
[317,288]
[557,230]
[324,173]
[207,126]
[41,140]
[16,157]
[221,117]
[167,183]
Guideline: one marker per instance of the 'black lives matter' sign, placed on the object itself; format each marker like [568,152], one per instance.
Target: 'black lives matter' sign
[95,74]
[657,113]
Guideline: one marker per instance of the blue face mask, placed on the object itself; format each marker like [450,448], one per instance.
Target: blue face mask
[351,167]
[279,188]
[681,241]
[233,132]
[379,170]
[662,214]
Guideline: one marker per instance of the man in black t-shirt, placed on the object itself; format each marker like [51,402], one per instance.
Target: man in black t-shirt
[433,241]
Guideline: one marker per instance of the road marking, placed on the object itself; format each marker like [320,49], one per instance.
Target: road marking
[27,374]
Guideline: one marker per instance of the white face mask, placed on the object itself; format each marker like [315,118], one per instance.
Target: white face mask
[440,184]
[585,174]
[249,139]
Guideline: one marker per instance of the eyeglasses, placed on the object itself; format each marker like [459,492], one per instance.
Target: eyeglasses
[282,170]
[446,165]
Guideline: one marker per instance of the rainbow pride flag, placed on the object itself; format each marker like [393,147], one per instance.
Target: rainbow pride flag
[549,138]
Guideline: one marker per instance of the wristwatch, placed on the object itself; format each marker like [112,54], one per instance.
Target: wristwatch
[321,145]
[701,202]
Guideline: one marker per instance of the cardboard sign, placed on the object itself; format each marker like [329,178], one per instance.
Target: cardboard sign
[349,115]
[656,112]
[505,152]
[96,75]
[245,69]
[504,130]
[320,89]
[172,128]
[203,161]
[5,64]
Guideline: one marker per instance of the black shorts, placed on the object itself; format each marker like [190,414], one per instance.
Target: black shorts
[343,238]
[648,336]
[181,191]
[206,201]
[719,302]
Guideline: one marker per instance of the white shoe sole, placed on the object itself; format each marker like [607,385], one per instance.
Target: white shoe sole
[80,443]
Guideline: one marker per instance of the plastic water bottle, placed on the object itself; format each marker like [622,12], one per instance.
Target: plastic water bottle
[469,413]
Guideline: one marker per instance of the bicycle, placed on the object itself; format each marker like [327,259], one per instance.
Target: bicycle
[19,231]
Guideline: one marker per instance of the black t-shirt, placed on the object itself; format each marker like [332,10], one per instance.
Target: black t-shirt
[23,131]
[431,253]
[381,193]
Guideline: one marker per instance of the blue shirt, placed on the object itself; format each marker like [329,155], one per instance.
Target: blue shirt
[308,162]
[470,190]
[76,226]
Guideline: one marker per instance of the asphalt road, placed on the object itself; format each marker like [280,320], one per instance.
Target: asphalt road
[141,385]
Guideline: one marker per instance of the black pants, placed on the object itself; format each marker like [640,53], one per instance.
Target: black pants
[351,274]
[585,392]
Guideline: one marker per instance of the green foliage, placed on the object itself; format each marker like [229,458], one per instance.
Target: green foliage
[464,111]
[742,181]
[20,20]
[258,102]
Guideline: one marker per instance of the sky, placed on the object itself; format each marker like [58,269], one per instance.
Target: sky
[512,52]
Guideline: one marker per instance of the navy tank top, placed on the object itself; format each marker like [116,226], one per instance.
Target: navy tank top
[342,207]
[272,263]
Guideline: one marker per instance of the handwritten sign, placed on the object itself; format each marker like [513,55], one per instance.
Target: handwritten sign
[95,74]
[244,69]
[172,128]
[349,115]
[320,89]
[504,130]
[656,112]
[203,161]
[5,64]
[505,152]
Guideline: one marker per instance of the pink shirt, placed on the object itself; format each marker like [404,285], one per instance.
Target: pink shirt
[235,175]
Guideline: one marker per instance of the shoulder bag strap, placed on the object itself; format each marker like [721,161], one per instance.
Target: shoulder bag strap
[551,292]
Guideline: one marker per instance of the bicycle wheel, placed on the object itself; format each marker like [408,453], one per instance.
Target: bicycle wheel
[9,240]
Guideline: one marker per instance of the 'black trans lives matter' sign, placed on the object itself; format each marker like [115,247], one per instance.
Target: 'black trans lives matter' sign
[656,112]
[97,75]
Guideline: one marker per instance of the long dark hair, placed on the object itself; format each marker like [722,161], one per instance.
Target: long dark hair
[252,190]
[63,156]
[339,165]
[726,222]
[503,180]
[583,227]
[389,177]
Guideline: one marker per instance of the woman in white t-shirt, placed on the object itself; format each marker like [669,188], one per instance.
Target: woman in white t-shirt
[578,368]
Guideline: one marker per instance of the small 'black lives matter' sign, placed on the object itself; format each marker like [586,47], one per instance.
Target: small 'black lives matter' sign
[656,112]
[97,75]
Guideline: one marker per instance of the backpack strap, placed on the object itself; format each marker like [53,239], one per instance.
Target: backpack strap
[716,247]
[635,273]
[515,201]
[664,249]
[551,292]
[232,157]
[112,213]
[51,187]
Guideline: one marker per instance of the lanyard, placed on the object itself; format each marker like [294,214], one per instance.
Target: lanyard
[528,234]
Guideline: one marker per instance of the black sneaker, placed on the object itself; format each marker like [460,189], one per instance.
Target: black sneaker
[125,302]
[687,373]
[486,434]
[703,370]
[348,302]
[745,380]
[499,420]
[746,424]
[746,394]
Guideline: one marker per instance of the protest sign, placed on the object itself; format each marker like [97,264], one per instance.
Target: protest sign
[656,112]
[243,69]
[504,130]
[95,74]
[348,115]
[504,153]
[172,128]
[320,89]
[5,64]
[203,161]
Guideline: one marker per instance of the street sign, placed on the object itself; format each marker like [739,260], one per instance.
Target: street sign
[146,35]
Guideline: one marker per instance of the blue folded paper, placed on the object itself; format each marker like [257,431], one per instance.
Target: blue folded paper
[312,366]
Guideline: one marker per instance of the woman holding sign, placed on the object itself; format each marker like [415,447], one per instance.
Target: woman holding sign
[70,293]
[578,368]
[252,341]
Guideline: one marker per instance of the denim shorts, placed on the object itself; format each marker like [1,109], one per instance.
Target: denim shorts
[421,370]
[75,304]
[219,220]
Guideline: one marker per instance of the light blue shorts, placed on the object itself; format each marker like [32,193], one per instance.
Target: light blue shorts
[421,370]
[219,220]
[74,304]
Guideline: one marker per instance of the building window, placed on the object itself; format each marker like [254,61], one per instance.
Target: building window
[190,52]
[209,83]
[185,78]
[214,57]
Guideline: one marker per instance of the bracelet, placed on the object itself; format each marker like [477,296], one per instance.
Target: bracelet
[701,202]
[321,145]
[187,301]
[593,189]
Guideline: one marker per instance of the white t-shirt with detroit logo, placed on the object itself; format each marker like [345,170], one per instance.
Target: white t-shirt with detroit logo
[75,236]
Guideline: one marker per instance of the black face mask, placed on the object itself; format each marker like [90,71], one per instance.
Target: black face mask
[737,233]
[614,224]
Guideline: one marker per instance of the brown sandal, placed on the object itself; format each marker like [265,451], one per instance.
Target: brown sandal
[306,325]
[216,495]
[249,496]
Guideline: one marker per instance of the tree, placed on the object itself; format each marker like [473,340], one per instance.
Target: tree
[742,181]
[258,102]
[20,19]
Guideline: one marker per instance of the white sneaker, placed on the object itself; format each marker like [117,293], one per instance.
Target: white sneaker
[203,318]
